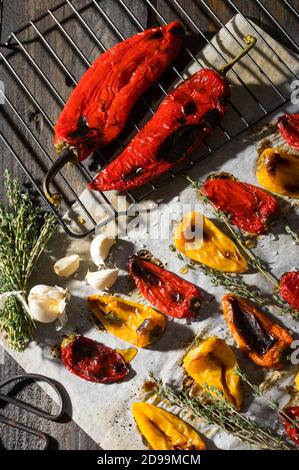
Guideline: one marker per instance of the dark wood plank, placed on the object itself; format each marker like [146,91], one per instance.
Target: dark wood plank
[68,435]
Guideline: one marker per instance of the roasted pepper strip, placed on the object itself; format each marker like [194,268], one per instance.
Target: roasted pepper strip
[278,172]
[184,118]
[262,340]
[165,290]
[210,247]
[164,430]
[288,126]
[212,365]
[93,361]
[297,381]
[98,107]
[130,321]
[289,288]
[250,208]
[290,424]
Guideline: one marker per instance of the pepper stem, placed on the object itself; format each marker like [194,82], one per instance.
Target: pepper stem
[251,41]
[67,156]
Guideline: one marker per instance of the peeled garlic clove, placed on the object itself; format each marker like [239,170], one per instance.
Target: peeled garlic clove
[67,266]
[100,247]
[101,280]
[47,303]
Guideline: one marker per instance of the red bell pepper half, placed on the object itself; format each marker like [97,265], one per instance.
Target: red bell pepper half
[93,361]
[165,290]
[288,126]
[98,108]
[289,288]
[250,208]
[291,425]
[184,118]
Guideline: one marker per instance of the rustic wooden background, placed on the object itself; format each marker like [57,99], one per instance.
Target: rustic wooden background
[68,435]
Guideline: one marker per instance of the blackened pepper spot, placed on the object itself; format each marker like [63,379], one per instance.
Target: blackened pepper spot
[177,30]
[190,108]
[132,174]
[82,128]
[178,143]
[156,35]
[144,273]
[251,329]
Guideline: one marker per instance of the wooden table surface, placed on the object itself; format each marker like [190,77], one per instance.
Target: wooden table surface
[68,435]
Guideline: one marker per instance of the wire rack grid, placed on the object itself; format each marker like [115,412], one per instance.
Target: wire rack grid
[67,37]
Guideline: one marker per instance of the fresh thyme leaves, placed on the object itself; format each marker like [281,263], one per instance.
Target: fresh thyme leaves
[293,235]
[25,231]
[257,391]
[229,282]
[216,411]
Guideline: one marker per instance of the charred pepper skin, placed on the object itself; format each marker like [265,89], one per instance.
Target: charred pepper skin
[184,118]
[288,126]
[98,108]
[165,290]
[93,361]
[262,340]
[289,288]
[250,208]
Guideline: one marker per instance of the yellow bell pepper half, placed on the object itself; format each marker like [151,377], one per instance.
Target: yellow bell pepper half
[164,430]
[212,365]
[136,323]
[209,246]
[278,172]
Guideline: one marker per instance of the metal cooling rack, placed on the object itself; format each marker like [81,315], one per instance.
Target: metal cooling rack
[86,16]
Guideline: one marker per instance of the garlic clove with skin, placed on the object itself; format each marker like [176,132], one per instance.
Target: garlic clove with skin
[67,266]
[48,303]
[100,247]
[103,279]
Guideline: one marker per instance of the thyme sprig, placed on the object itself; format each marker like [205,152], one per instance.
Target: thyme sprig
[252,259]
[219,278]
[25,231]
[214,410]
[258,392]
[294,236]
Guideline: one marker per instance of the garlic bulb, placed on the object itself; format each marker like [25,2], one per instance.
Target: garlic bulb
[100,247]
[101,280]
[67,266]
[47,303]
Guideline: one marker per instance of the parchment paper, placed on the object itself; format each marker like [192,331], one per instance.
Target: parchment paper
[103,411]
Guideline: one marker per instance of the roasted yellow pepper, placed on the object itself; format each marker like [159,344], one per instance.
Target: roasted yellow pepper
[212,364]
[297,381]
[164,430]
[278,172]
[136,323]
[211,247]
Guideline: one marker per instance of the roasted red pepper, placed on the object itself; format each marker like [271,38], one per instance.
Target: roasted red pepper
[98,108]
[165,290]
[289,288]
[250,208]
[184,118]
[92,361]
[288,126]
[291,425]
